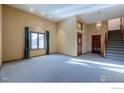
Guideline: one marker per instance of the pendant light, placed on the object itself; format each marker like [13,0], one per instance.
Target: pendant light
[98,23]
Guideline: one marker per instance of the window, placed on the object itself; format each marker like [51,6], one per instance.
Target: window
[41,41]
[37,40]
[79,25]
[34,42]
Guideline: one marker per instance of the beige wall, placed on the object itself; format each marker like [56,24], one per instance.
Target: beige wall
[114,24]
[92,31]
[66,37]
[14,21]
[0,35]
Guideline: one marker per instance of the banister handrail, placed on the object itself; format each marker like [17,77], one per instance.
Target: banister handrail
[122,26]
[106,42]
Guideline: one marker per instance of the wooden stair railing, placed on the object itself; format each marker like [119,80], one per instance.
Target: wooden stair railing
[122,26]
[106,43]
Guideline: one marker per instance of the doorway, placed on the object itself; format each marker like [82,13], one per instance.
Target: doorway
[79,43]
[96,44]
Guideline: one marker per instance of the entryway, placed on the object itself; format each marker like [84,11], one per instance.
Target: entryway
[79,43]
[96,44]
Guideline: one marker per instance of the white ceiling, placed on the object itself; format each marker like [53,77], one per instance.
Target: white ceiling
[87,12]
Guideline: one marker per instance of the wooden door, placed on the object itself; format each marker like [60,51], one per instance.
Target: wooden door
[96,44]
[79,43]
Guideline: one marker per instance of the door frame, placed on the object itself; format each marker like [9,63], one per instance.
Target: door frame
[92,42]
[77,44]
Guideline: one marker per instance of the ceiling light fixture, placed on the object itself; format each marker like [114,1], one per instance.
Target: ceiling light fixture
[98,23]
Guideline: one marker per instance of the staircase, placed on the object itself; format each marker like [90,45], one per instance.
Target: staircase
[115,47]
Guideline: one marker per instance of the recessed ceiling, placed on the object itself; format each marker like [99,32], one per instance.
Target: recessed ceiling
[87,12]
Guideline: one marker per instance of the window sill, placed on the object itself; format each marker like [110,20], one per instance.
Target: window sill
[37,49]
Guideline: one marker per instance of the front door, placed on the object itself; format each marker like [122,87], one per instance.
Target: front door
[96,44]
[79,43]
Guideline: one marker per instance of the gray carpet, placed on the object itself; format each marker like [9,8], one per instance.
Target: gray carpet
[60,68]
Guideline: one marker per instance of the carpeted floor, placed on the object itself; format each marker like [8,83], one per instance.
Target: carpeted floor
[60,68]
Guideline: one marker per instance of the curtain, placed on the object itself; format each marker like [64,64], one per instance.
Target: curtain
[27,43]
[47,42]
